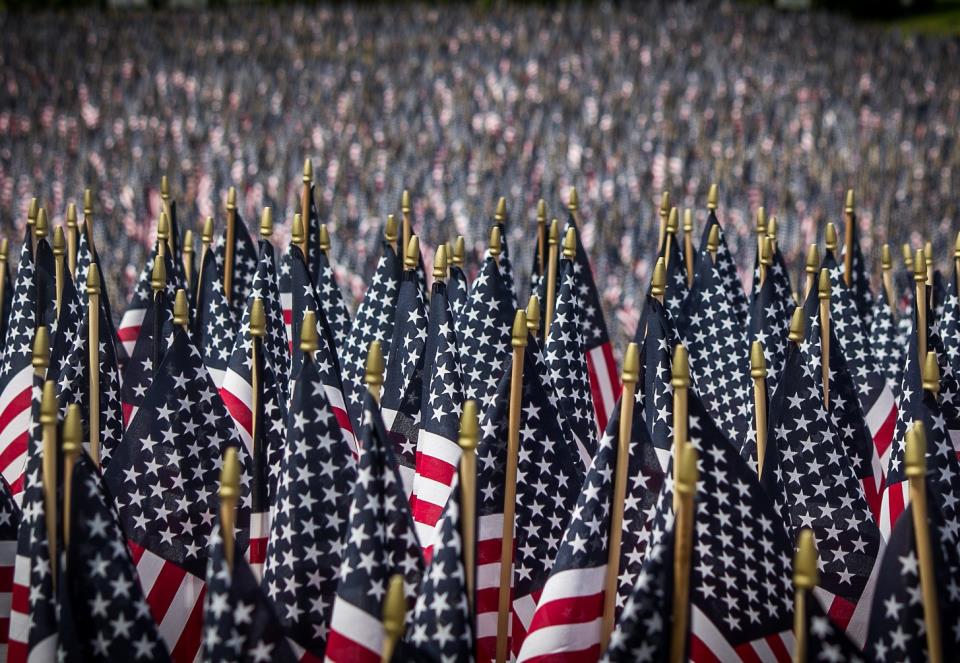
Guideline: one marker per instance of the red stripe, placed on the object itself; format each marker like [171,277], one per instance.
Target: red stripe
[4,630]
[779,648]
[17,404]
[591,653]
[572,610]
[136,551]
[342,648]
[127,411]
[6,580]
[344,420]
[188,644]
[884,435]
[164,589]
[841,611]
[435,469]
[20,599]
[128,333]
[424,512]
[747,653]
[14,450]
[874,495]
[488,551]
[257,551]
[239,410]
[896,502]
[610,365]
[288,316]
[17,486]
[16,652]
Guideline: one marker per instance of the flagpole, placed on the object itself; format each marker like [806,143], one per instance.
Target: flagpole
[459,251]
[916,469]
[206,239]
[158,281]
[229,495]
[40,228]
[88,219]
[658,282]
[907,256]
[541,234]
[411,254]
[766,258]
[72,238]
[48,424]
[685,486]
[956,264]
[394,616]
[325,239]
[181,310]
[830,239]
[573,204]
[519,342]
[494,244]
[59,262]
[93,359]
[390,233]
[533,315]
[680,381]
[374,369]
[405,217]
[258,329]
[772,234]
[298,236]
[712,196]
[805,577]
[920,278]
[440,264]
[187,251]
[553,240]
[570,244]
[163,234]
[713,242]
[758,371]
[928,261]
[812,267]
[230,248]
[848,210]
[670,235]
[629,377]
[305,206]
[886,267]
[823,294]
[664,210]
[760,229]
[40,359]
[72,439]
[4,257]
[165,199]
[469,434]
[500,215]
[688,244]
[797,324]
[32,212]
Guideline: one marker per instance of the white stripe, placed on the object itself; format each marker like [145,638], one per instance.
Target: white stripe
[857,628]
[148,569]
[560,638]
[523,609]
[6,599]
[14,471]
[354,624]
[388,417]
[574,583]
[426,533]
[762,649]
[16,385]
[407,476]
[488,575]
[438,447]
[787,639]
[180,609]
[487,624]
[703,628]
[240,389]
[44,651]
[19,621]
[880,410]
[955,440]
[217,375]
[664,456]
[490,527]
[430,491]
[603,377]
[8,551]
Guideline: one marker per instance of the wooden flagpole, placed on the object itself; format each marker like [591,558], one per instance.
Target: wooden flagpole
[760,229]
[685,487]
[93,360]
[48,424]
[519,342]
[305,206]
[886,266]
[231,243]
[88,219]
[573,204]
[758,371]
[406,227]
[72,441]
[713,242]
[469,435]
[920,279]
[158,281]
[805,577]
[680,381]
[374,369]
[915,458]
[811,268]
[541,235]
[72,239]
[663,212]
[394,616]
[629,377]
[229,495]
[553,241]
[32,212]
[4,258]
[823,294]
[670,235]
[688,244]
[206,239]
[258,329]
[850,219]
[187,251]
[59,262]
[956,262]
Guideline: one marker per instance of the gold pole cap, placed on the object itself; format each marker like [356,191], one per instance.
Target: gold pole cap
[907,255]
[187,241]
[823,284]
[307,170]
[374,367]
[542,211]
[519,333]
[33,210]
[766,252]
[956,247]
[553,237]
[93,280]
[848,206]
[806,575]
[886,260]
[296,229]
[469,426]
[405,202]
[931,373]
[772,228]
[258,318]
[181,310]
[687,474]
[412,254]
[713,238]
[573,202]
[48,403]
[72,215]
[324,238]
[440,262]
[309,339]
[59,241]
[758,362]
[915,453]
[712,195]
[631,364]
[672,220]
[797,325]
[501,213]
[163,227]
[4,249]
[394,608]
[687,221]
[533,314]
[664,204]
[230,476]
[658,283]
[390,229]
[72,431]
[231,199]
[164,188]
[495,245]
[266,223]
[831,237]
[207,236]
[158,277]
[41,348]
[87,202]
[570,244]
[761,221]
[919,266]
[459,250]
[928,253]
[813,259]
[40,227]
[680,378]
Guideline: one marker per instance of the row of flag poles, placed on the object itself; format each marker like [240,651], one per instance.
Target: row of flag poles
[243,470]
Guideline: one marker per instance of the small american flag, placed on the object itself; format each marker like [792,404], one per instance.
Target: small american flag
[770,311]
[214,324]
[244,263]
[657,362]
[727,267]
[132,320]
[330,301]
[457,290]
[9,525]
[675,291]
[886,345]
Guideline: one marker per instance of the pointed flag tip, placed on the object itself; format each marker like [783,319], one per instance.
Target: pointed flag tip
[805,572]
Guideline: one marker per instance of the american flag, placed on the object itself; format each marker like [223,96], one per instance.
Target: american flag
[16,376]
[549,477]
[440,628]
[886,343]
[381,542]
[566,624]
[602,367]
[403,385]
[719,352]
[46,284]
[813,478]
[740,585]
[860,279]
[657,362]
[6,303]
[483,334]
[770,311]
[917,404]
[244,263]
[164,476]
[826,642]
[566,360]
[214,323]
[331,302]
[9,525]
[457,291]
[897,624]
[309,528]
[506,267]
[132,320]
[68,321]
[86,257]
[103,613]
[373,322]
[727,267]
[675,291]
[944,340]
[438,452]
[239,625]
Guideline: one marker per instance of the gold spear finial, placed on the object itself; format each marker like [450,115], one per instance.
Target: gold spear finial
[931,373]
[459,250]
[181,310]
[307,170]
[886,260]
[207,236]
[713,239]
[266,223]
[309,339]
[664,204]
[658,283]
[72,216]
[712,195]
[324,238]
[813,259]
[405,202]
[440,263]
[469,426]
[93,281]
[40,359]
[919,266]
[72,433]
[761,228]
[631,364]
[229,496]
[956,247]
[87,202]
[672,220]
[772,228]
[187,242]
[258,318]
[495,246]
[412,254]
[374,367]
[831,237]
[500,216]
[533,314]
[519,332]
[163,227]
[573,202]
[823,284]
[570,244]
[542,212]
[40,228]
[687,221]
[805,572]
[907,256]
[554,236]
[797,325]
[158,277]
[390,230]
[296,230]
[232,199]
[4,250]
[32,211]
[766,253]
[59,242]
[394,614]
[164,188]
[848,207]
[915,454]
[758,362]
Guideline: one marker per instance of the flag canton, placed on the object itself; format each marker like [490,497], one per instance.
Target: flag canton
[742,561]
[675,291]
[165,472]
[565,357]
[108,614]
[275,341]
[440,629]
[943,340]
[483,331]
[244,263]
[595,327]
[317,474]
[18,342]
[407,344]
[457,290]
[886,342]
[656,389]
[442,397]
[770,314]
[215,323]
[727,267]
[331,302]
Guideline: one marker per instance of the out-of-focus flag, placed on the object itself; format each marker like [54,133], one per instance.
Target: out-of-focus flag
[10,517]
[214,324]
